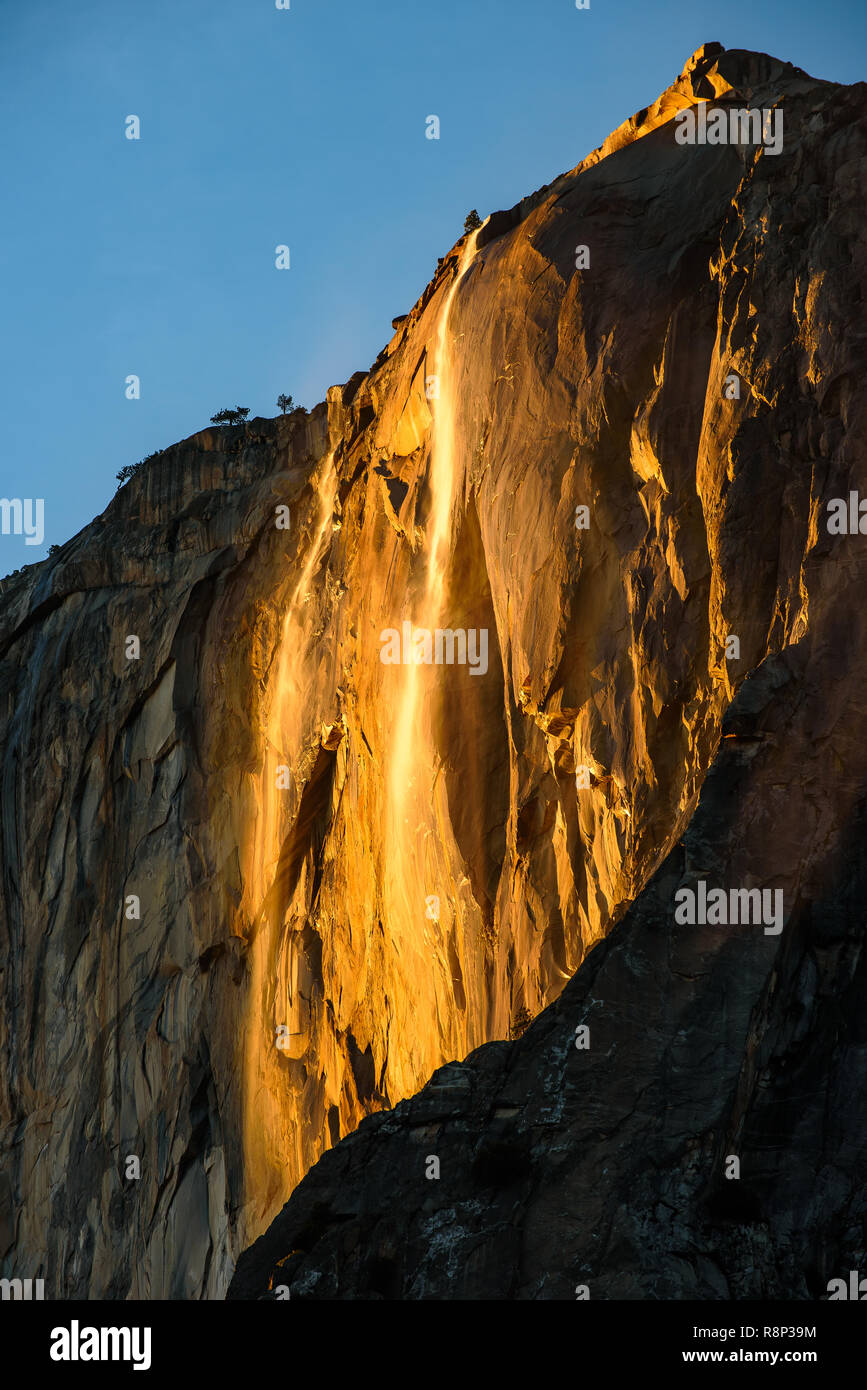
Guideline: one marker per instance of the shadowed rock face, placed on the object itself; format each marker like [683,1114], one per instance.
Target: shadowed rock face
[311,908]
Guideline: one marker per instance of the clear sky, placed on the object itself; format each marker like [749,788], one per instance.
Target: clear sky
[303,127]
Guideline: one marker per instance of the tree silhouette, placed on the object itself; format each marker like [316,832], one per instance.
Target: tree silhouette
[472,222]
[231,417]
[284,403]
[130,470]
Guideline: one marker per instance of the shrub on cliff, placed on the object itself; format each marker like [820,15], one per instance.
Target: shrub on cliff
[129,470]
[231,417]
[472,222]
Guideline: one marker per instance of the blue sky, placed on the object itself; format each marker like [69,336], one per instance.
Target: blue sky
[304,127]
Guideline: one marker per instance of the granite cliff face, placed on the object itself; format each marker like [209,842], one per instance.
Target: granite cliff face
[349,872]
[603,1170]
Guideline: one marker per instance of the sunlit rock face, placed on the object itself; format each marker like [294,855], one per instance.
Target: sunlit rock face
[351,869]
